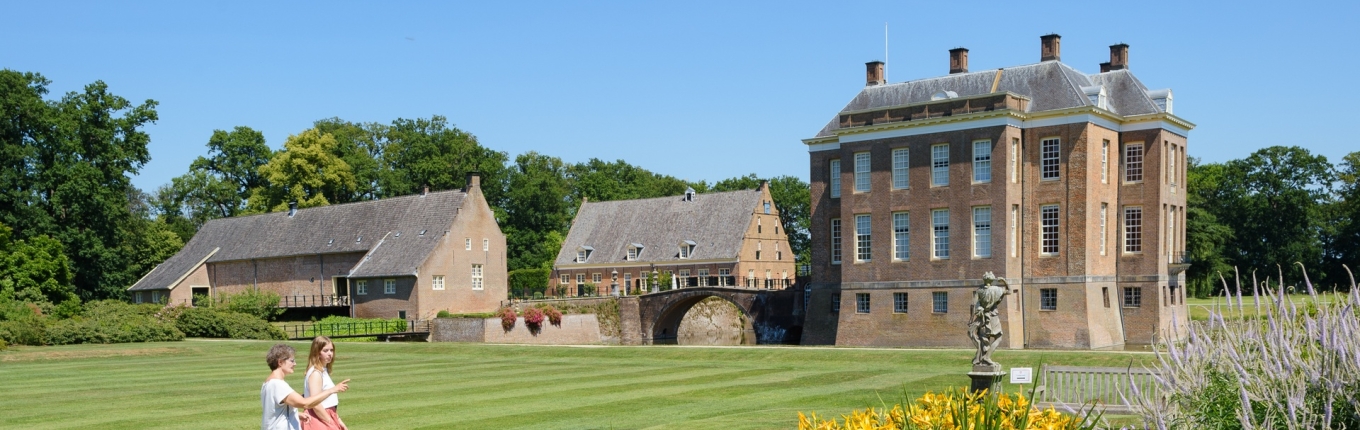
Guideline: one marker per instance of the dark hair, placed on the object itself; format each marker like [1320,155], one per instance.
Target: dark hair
[278,354]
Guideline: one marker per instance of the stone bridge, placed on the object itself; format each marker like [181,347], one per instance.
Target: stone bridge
[772,316]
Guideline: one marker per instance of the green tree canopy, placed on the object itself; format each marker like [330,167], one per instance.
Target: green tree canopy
[1273,201]
[34,270]
[307,171]
[430,152]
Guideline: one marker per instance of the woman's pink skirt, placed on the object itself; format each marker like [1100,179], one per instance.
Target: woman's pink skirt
[317,424]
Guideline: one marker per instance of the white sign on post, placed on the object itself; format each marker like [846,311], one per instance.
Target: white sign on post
[1022,375]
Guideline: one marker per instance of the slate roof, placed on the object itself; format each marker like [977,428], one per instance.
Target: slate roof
[1050,85]
[388,229]
[716,222]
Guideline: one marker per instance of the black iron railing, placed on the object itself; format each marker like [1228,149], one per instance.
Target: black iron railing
[314,301]
[1180,258]
[355,329]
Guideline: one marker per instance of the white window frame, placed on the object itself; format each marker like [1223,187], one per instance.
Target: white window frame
[939,223]
[1104,232]
[982,232]
[901,236]
[939,165]
[863,238]
[1133,162]
[565,279]
[477,277]
[580,279]
[361,287]
[1050,154]
[901,168]
[1015,231]
[982,161]
[1049,222]
[596,278]
[863,163]
[836,241]
[1105,161]
[1015,160]
[437,283]
[1171,171]
[486,244]
[1133,229]
[834,178]
[389,286]
[467,244]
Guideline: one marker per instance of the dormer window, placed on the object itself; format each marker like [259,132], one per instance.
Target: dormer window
[689,194]
[1097,96]
[767,207]
[687,249]
[583,253]
[634,250]
[1162,98]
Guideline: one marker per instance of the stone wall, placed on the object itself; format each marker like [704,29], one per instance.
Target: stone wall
[713,321]
[581,329]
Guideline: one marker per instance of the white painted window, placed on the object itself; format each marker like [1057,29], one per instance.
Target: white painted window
[863,239]
[361,287]
[1172,170]
[1103,232]
[901,166]
[939,219]
[759,245]
[1015,230]
[137,297]
[1015,160]
[901,236]
[939,165]
[486,244]
[1133,162]
[982,161]
[835,241]
[566,279]
[476,276]
[437,283]
[1105,161]
[834,180]
[580,278]
[862,172]
[1133,229]
[767,208]
[596,277]
[156,297]
[389,286]
[1171,233]
[1048,218]
[1048,157]
[703,277]
[627,280]
[982,231]
[467,243]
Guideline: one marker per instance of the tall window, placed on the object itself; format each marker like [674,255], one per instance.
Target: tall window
[1133,162]
[900,303]
[835,179]
[1171,232]
[580,279]
[1048,155]
[982,161]
[901,236]
[361,287]
[767,208]
[862,238]
[467,243]
[1105,161]
[566,279]
[939,220]
[1133,229]
[1171,172]
[486,244]
[1048,216]
[476,276]
[862,172]
[861,303]
[759,245]
[901,165]
[835,241]
[1048,299]
[939,165]
[389,286]
[1103,232]
[1133,297]
[836,303]
[596,277]
[1015,159]
[939,302]
[437,283]
[982,231]
[1015,230]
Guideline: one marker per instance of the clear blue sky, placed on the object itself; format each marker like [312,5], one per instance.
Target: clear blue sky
[700,91]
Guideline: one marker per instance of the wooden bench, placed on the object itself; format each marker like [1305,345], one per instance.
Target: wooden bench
[1064,387]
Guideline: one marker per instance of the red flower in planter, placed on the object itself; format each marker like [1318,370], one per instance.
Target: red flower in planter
[554,315]
[507,315]
[533,317]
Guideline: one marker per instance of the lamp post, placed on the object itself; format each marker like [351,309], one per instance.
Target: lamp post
[614,283]
[656,280]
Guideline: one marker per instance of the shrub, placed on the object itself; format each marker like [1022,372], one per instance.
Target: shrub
[207,322]
[533,318]
[22,324]
[507,316]
[953,409]
[262,304]
[528,282]
[1292,367]
[112,321]
[3,345]
[554,315]
[444,314]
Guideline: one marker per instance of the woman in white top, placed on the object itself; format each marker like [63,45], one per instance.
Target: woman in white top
[278,401]
[324,416]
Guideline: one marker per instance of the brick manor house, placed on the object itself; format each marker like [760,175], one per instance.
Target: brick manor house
[402,257]
[728,239]
[1068,185]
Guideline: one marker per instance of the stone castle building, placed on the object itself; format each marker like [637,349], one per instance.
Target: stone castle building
[1068,185]
[402,257]
[728,239]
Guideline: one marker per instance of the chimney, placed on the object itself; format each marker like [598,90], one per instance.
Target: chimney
[873,73]
[1119,56]
[474,180]
[958,60]
[292,209]
[424,190]
[1104,67]
[1051,47]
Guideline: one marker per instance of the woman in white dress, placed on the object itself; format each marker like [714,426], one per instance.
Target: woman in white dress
[324,416]
[278,401]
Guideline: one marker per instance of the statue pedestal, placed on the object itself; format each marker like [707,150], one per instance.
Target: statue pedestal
[986,378]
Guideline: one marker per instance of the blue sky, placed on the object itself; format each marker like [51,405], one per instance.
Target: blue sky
[697,90]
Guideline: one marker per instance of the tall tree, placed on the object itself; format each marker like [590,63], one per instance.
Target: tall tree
[235,157]
[306,172]
[793,198]
[1344,245]
[1206,238]
[1273,201]
[361,147]
[423,152]
[34,270]
[599,181]
[536,207]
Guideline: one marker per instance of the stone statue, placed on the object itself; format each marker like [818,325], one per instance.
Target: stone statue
[985,327]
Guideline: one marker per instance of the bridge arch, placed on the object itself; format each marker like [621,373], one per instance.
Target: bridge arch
[666,326]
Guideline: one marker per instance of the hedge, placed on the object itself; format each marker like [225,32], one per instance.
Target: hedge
[529,282]
[208,322]
[111,321]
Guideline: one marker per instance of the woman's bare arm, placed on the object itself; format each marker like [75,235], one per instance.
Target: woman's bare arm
[296,400]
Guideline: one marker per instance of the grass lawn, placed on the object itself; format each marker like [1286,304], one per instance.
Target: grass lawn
[1199,308]
[216,384]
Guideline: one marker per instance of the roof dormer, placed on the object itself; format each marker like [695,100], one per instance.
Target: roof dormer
[634,252]
[583,253]
[1162,98]
[686,249]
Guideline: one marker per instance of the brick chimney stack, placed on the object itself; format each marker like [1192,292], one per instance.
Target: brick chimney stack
[1051,47]
[1119,56]
[958,60]
[1104,67]
[873,74]
[474,180]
